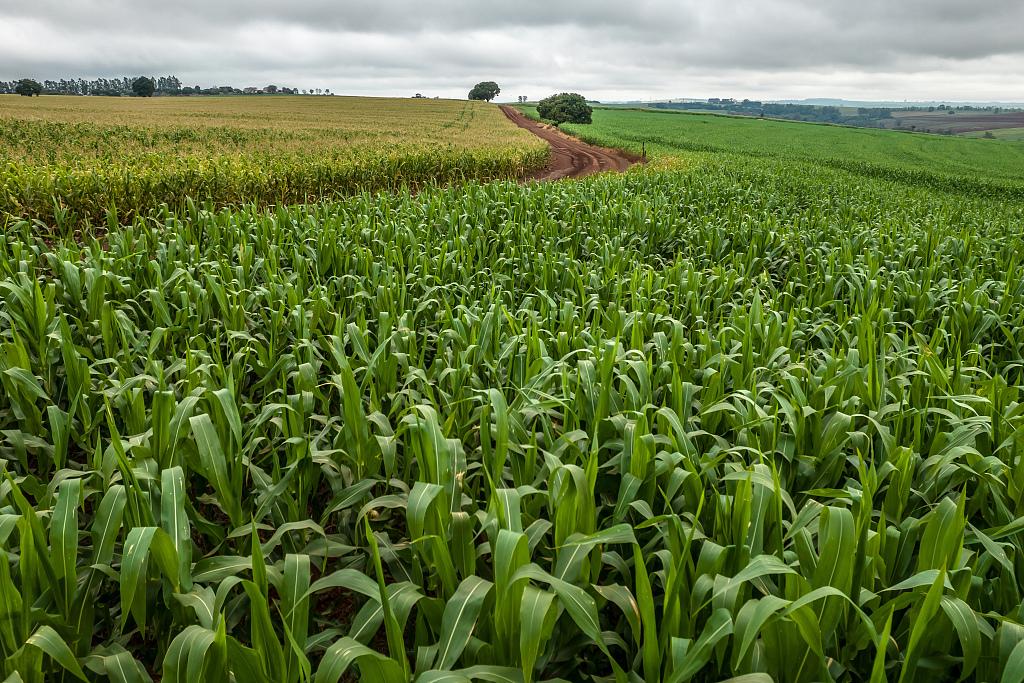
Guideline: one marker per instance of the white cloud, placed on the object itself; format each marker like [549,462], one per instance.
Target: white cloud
[871,49]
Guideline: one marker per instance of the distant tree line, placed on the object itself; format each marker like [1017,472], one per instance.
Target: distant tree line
[869,117]
[796,112]
[789,112]
[164,85]
[128,86]
[967,107]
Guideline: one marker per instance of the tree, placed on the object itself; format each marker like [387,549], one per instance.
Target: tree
[143,87]
[487,91]
[26,87]
[565,108]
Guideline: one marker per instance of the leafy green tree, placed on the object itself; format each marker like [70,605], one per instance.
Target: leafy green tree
[487,91]
[143,87]
[27,88]
[565,108]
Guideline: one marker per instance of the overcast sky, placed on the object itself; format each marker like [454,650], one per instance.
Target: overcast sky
[606,49]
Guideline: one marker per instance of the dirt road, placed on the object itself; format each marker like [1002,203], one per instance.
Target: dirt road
[570,157]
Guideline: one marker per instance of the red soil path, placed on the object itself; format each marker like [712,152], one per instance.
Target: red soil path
[570,157]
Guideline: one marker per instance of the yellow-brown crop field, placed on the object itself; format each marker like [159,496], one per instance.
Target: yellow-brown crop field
[68,160]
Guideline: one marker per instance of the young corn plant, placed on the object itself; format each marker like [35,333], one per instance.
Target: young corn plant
[756,421]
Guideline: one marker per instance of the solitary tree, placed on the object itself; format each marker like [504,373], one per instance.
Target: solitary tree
[565,108]
[27,88]
[486,90]
[143,87]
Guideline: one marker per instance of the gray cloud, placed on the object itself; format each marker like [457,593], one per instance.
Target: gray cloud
[875,49]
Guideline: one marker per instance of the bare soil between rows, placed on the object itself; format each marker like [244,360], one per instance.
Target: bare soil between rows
[571,157]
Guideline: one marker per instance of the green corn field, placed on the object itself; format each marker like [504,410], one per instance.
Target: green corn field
[738,419]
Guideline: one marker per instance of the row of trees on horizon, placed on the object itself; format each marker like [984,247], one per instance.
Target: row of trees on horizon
[127,86]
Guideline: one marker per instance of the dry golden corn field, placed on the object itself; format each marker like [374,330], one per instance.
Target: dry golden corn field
[74,160]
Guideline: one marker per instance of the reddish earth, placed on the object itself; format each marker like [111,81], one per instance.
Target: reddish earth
[570,157]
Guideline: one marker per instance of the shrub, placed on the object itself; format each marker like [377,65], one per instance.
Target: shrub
[143,87]
[26,87]
[565,108]
[486,91]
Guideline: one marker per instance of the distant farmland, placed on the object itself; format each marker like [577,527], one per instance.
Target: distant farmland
[1012,134]
[957,122]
